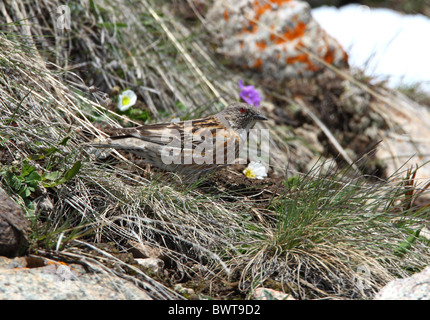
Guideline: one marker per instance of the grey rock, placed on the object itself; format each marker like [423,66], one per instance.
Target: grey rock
[143,250]
[154,264]
[183,290]
[14,227]
[416,287]
[57,281]
[270,294]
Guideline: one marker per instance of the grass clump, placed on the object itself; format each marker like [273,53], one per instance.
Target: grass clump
[329,228]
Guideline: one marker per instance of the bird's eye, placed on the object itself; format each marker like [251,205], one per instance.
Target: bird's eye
[242,110]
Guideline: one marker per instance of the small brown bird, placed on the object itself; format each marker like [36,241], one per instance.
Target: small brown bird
[190,147]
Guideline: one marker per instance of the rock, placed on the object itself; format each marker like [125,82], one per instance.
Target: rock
[183,290]
[14,227]
[45,204]
[271,294]
[142,250]
[406,142]
[6,263]
[154,264]
[277,38]
[416,287]
[34,278]
[353,99]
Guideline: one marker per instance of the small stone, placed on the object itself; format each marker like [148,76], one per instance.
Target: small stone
[182,290]
[45,204]
[153,264]
[271,294]
[142,250]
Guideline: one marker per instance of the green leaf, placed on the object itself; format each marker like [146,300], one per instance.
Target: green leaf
[137,114]
[292,183]
[24,192]
[29,205]
[26,169]
[33,176]
[52,176]
[64,141]
[181,106]
[57,178]
[50,151]
[36,156]
[12,181]
[112,26]
[406,245]
[72,171]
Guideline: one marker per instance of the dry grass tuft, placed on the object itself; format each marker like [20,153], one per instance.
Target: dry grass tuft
[312,239]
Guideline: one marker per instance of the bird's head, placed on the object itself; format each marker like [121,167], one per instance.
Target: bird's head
[240,116]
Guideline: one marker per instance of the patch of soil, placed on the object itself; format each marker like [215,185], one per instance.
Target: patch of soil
[227,182]
[232,185]
[172,276]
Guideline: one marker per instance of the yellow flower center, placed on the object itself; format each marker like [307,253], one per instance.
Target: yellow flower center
[249,173]
[125,100]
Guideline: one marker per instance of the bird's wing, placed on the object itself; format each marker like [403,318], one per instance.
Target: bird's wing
[173,133]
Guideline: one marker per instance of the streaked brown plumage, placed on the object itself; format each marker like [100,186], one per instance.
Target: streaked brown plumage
[187,144]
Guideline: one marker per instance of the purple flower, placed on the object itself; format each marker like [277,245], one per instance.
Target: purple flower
[249,94]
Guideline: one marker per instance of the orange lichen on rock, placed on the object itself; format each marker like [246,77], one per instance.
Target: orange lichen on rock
[329,56]
[297,49]
[298,58]
[49,262]
[258,63]
[261,44]
[297,32]
[279,2]
[226,15]
[303,58]
[289,35]
[251,27]
[261,8]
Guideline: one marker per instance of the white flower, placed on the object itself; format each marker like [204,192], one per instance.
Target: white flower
[126,99]
[255,170]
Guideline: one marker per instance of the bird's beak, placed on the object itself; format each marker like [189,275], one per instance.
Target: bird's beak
[259,116]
